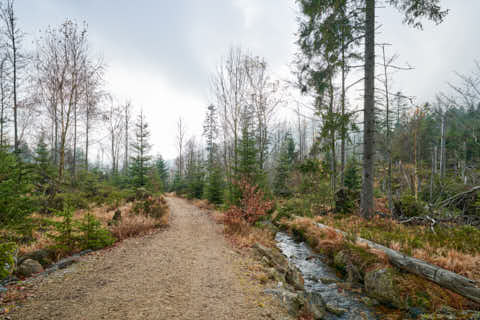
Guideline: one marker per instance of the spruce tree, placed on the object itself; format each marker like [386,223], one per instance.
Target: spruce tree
[247,150]
[214,180]
[284,167]
[15,185]
[44,171]
[162,171]
[140,162]
[43,174]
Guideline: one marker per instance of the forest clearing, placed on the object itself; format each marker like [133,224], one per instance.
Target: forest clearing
[274,159]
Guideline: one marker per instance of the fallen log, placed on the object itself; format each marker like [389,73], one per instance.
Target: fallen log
[458,196]
[445,278]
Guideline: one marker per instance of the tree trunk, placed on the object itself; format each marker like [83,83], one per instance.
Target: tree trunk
[464,164]
[442,148]
[343,128]
[126,137]
[15,105]
[55,147]
[415,159]
[74,164]
[87,131]
[367,203]
[432,176]
[389,139]
[333,159]
[2,102]
[445,278]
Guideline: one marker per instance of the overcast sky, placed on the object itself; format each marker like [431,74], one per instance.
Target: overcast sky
[160,54]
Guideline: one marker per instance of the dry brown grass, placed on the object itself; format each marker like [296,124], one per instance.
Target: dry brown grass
[133,225]
[450,259]
[203,204]
[446,249]
[324,239]
[130,225]
[41,241]
[249,236]
[243,235]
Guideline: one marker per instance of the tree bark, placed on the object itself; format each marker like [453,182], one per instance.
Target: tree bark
[389,139]
[127,120]
[2,101]
[367,203]
[14,53]
[343,129]
[333,160]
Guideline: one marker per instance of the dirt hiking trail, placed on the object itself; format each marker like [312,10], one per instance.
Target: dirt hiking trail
[187,271]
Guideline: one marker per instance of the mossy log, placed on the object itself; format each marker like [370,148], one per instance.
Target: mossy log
[445,278]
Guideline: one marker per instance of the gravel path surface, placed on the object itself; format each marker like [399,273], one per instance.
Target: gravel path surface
[187,271]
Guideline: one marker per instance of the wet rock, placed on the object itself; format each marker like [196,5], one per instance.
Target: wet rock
[273,257]
[278,261]
[29,267]
[369,301]
[335,310]
[8,280]
[315,305]
[327,280]
[343,262]
[50,270]
[84,252]
[275,275]
[313,278]
[45,257]
[294,302]
[380,284]
[62,264]
[415,312]
[294,277]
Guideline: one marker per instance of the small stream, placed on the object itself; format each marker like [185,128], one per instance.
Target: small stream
[314,270]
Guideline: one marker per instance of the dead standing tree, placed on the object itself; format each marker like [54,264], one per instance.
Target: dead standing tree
[14,37]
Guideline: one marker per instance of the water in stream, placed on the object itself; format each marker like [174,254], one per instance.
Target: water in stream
[314,269]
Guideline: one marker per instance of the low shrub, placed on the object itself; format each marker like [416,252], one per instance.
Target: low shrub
[64,230]
[293,207]
[155,207]
[87,233]
[7,258]
[408,206]
[142,194]
[76,200]
[92,234]
[252,207]
[345,200]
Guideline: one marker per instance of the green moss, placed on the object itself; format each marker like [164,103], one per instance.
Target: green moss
[361,257]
